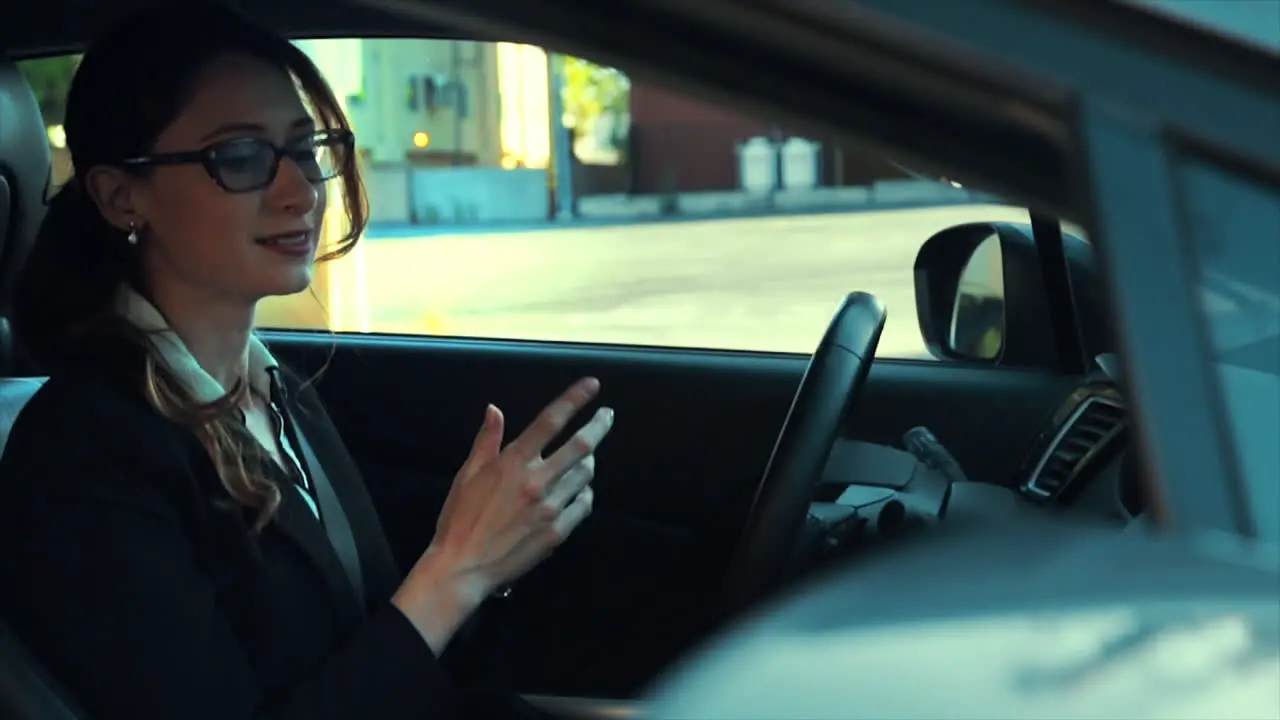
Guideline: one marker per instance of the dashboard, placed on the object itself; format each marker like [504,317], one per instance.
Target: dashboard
[1083,458]
[1071,615]
[1082,463]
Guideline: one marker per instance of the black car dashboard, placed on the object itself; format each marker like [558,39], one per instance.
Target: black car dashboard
[1082,457]
[1080,464]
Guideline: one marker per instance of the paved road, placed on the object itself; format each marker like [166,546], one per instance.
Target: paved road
[764,283]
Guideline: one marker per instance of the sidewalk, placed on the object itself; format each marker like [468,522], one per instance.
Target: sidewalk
[613,210]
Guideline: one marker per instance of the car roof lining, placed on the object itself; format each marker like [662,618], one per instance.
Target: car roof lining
[53,27]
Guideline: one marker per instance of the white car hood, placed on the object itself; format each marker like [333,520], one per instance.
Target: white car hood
[1100,626]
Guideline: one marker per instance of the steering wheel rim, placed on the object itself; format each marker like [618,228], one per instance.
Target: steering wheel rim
[830,387]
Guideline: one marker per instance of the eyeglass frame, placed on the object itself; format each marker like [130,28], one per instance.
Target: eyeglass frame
[207,157]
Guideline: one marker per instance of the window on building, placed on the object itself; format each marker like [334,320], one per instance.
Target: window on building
[520,196]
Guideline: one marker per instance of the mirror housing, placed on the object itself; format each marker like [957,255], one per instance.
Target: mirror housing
[1027,336]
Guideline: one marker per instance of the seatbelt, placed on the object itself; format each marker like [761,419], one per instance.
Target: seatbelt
[332,517]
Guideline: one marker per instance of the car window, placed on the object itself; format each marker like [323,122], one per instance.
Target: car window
[1255,21]
[1235,228]
[519,196]
[1234,225]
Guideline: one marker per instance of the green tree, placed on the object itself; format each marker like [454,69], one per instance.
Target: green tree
[592,90]
[50,79]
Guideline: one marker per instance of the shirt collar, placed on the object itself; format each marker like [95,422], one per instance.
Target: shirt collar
[179,360]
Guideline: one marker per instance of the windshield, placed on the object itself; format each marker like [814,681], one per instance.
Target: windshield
[1235,227]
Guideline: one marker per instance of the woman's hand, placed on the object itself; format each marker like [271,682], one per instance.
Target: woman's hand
[508,508]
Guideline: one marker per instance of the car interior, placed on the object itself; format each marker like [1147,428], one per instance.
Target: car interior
[730,475]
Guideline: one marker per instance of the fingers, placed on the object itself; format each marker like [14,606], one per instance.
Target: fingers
[583,443]
[524,507]
[546,537]
[487,445]
[573,482]
[553,420]
[573,515]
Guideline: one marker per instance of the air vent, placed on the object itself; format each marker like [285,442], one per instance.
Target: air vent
[1093,424]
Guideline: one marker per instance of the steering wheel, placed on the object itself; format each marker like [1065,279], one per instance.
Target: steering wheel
[830,387]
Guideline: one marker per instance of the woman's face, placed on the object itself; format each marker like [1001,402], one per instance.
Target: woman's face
[198,240]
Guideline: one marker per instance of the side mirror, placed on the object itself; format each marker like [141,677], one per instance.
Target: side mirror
[977,313]
[980,296]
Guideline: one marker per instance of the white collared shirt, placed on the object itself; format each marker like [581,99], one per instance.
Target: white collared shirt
[203,386]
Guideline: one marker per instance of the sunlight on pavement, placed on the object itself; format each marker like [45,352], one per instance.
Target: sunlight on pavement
[434,323]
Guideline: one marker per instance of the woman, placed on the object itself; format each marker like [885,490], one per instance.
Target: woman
[183,534]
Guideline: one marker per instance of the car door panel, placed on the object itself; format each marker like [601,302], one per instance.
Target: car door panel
[692,426]
[675,477]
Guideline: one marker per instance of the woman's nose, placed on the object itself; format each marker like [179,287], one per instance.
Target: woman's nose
[292,191]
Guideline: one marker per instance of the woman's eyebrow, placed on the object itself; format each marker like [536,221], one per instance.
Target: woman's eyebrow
[230,128]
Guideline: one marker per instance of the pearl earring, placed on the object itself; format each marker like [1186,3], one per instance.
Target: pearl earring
[133,234]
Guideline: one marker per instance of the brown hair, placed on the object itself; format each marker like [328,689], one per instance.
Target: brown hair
[130,85]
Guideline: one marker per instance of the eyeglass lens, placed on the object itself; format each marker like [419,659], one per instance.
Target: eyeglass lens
[251,163]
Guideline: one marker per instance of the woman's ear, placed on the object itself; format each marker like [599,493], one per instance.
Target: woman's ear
[112,190]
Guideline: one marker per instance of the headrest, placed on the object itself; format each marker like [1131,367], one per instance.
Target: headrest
[24,173]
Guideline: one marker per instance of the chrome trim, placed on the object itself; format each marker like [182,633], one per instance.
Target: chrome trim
[1030,485]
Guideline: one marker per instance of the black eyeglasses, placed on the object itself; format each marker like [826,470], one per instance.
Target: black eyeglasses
[248,164]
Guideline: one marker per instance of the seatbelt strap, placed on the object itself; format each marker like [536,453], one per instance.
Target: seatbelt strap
[333,518]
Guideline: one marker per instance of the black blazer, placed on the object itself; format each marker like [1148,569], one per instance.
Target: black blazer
[128,571]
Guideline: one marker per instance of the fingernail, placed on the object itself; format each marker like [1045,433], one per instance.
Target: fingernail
[607,412]
[591,384]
